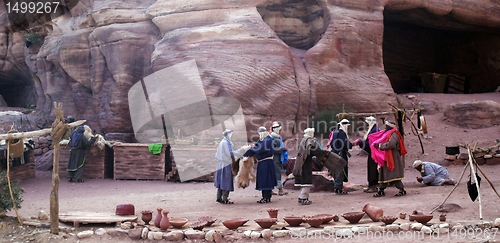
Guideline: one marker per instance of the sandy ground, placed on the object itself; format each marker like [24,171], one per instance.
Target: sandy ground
[193,200]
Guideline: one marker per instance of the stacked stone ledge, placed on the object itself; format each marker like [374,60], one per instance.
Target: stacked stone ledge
[138,232]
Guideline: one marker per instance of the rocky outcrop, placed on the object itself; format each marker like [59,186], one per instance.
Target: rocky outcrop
[475,114]
[283,60]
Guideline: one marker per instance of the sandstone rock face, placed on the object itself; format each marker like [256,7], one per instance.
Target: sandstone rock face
[475,114]
[283,60]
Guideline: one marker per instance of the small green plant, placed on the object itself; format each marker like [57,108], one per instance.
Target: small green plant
[5,199]
[33,38]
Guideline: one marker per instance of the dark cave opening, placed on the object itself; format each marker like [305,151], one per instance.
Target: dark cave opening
[438,54]
[21,93]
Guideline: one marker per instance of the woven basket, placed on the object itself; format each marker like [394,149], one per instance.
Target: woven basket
[16,146]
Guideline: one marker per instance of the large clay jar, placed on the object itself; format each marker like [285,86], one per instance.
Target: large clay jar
[373,212]
[165,222]
[158,217]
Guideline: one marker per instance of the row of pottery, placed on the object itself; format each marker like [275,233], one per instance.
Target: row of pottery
[163,222]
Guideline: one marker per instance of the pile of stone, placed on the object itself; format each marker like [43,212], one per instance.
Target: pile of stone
[481,156]
[42,144]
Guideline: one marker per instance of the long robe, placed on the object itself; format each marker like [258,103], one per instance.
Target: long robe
[223,175]
[264,153]
[77,159]
[434,174]
[392,146]
[303,164]
[372,172]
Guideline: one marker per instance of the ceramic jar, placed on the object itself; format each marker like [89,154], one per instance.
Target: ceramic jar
[147,216]
[273,212]
[164,223]
[158,217]
[373,212]
[442,217]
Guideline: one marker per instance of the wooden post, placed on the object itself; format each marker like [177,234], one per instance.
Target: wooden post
[477,184]
[10,187]
[59,130]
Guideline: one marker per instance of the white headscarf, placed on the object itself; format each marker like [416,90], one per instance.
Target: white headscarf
[309,132]
[372,121]
[344,125]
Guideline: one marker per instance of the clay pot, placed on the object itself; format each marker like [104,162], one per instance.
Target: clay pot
[147,216]
[353,217]
[165,222]
[442,217]
[313,221]
[336,218]
[178,222]
[388,219]
[327,217]
[402,215]
[293,221]
[266,223]
[158,217]
[373,212]
[273,212]
[199,225]
[210,220]
[423,219]
[234,223]
[125,209]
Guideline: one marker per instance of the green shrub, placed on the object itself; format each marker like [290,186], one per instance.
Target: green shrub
[5,199]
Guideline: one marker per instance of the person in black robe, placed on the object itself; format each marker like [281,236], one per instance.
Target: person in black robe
[341,145]
[302,170]
[372,171]
[77,160]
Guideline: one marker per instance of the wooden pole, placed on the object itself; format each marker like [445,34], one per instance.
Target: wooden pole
[452,190]
[477,184]
[10,187]
[58,131]
[488,180]
[18,135]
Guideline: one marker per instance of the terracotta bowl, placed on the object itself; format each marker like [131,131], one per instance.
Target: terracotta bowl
[388,219]
[293,220]
[210,220]
[353,217]
[423,219]
[198,225]
[266,223]
[313,221]
[234,223]
[178,222]
[328,217]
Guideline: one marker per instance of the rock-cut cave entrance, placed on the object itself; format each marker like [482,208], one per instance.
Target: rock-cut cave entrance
[18,93]
[438,54]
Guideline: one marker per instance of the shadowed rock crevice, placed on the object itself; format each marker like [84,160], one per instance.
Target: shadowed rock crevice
[419,45]
[299,24]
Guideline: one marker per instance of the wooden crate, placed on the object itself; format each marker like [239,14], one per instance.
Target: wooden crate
[22,171]
[99,166]
[134,161]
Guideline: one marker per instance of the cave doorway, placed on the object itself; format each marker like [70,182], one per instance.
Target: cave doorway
[18,93]
[438,54]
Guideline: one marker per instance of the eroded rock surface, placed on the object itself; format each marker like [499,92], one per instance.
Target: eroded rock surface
[283,60]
